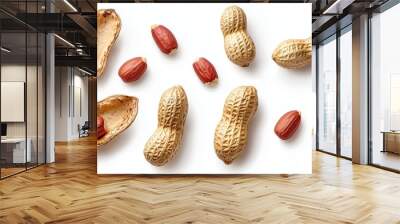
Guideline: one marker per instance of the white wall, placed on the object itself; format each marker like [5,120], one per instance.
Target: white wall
[61,103]
[12,73]
[68,82]
[34,125]
[81,83]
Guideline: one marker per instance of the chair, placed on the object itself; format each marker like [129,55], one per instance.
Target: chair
[84,130]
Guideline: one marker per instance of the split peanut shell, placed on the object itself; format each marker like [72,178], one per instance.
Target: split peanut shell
[108,28]
[118,112]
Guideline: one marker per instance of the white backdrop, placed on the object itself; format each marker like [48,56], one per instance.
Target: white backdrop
[197,29]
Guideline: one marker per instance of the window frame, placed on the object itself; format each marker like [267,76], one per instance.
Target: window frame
[334,37]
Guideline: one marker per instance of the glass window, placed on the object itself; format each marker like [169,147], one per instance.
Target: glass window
[31,97]
[385,87]
[22,91]
[346,93]
[327,96]
[13,89]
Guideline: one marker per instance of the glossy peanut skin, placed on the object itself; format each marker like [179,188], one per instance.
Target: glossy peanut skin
[288,124]
[205,71]
[133,69]
[164,39]
[101,131]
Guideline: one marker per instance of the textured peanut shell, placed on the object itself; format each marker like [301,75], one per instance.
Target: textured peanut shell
[231,133]
[166,140]
[293,53]
[118,112]
[108,28]
[239,47]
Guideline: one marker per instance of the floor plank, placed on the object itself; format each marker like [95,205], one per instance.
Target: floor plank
[69,191]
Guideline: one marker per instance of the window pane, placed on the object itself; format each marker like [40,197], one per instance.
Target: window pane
[327,96]
[31,98]
[346,94]
[13,86]
[385,114]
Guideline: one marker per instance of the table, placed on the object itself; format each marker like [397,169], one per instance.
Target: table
[391,141]
[18,149]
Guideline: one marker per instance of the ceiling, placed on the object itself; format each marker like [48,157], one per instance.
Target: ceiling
[332,15]
[74,22]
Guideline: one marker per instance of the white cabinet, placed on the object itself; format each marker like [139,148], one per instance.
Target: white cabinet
[19,155]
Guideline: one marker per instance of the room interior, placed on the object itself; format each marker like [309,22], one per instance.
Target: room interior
[22,102]
[356,158]
[335,80]
[46,82]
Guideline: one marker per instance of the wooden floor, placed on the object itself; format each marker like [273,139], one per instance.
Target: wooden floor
[387,159]
[10,171]
[69,191]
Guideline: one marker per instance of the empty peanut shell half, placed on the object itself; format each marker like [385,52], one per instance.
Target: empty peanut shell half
[108,27]
[118,112]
